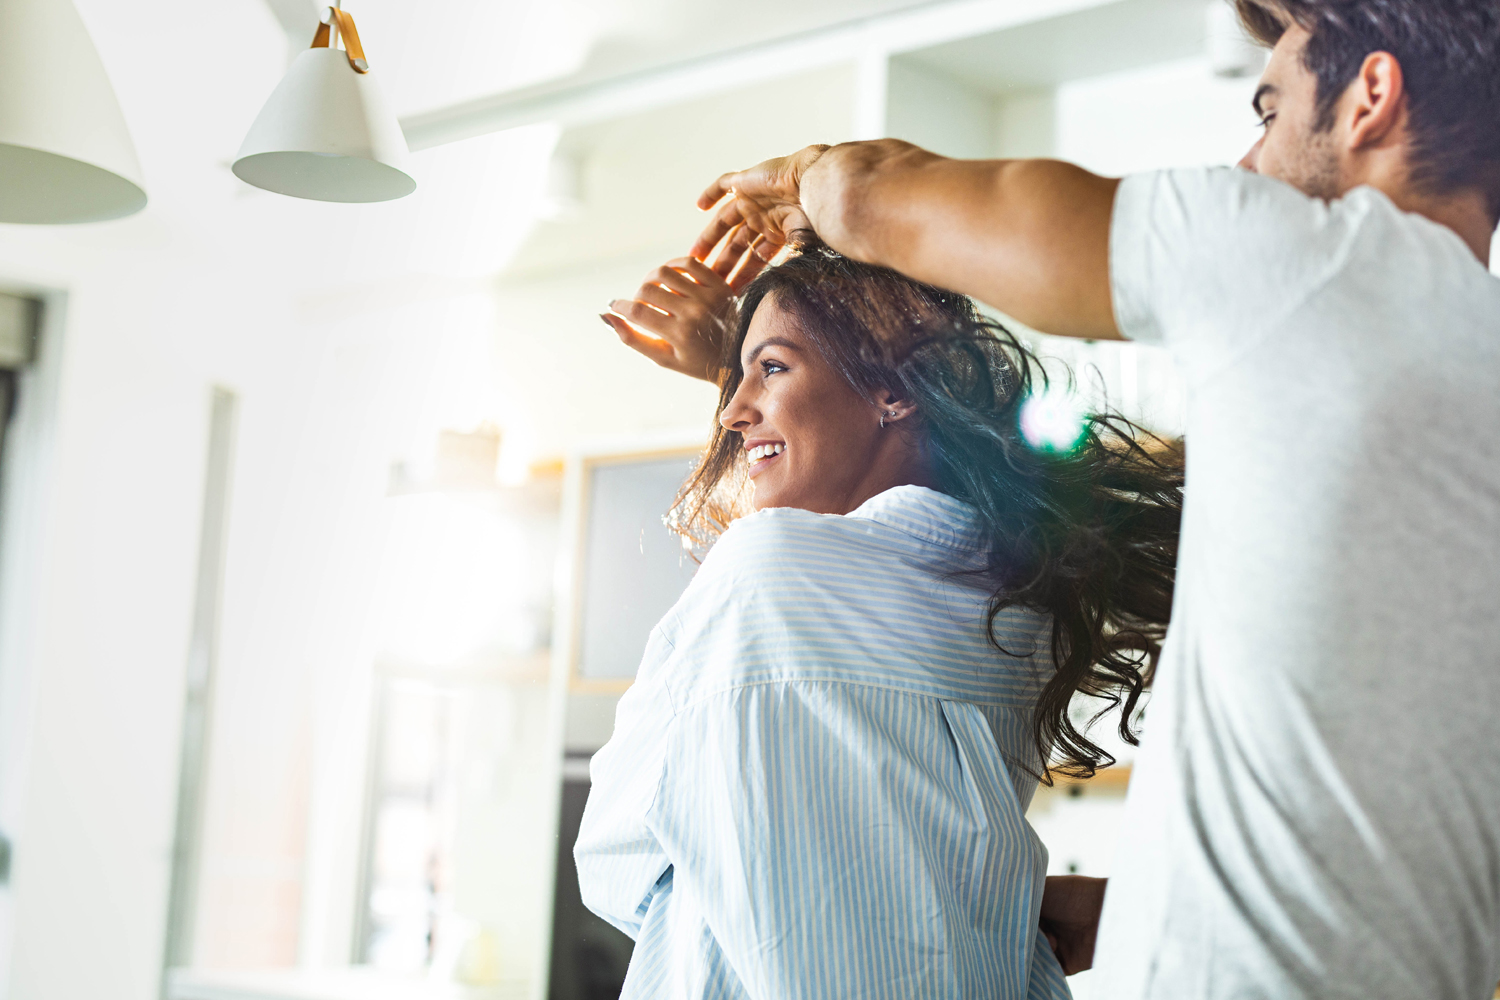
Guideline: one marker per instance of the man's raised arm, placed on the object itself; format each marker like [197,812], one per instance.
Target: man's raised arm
[1029,237]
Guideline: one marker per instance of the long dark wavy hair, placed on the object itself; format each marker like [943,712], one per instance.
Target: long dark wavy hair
[1086,536]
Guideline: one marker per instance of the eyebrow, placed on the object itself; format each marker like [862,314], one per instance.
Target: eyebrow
[768,342]
[1261,91]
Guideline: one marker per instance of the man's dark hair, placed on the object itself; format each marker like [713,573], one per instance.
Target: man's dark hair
[1449,51]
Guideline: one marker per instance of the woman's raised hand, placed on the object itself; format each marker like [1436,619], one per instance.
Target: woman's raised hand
[676,317]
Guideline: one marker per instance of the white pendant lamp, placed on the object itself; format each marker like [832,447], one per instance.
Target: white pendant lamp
[65,154]
[327,132]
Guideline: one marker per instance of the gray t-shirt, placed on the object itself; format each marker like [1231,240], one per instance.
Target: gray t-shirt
[1316,810]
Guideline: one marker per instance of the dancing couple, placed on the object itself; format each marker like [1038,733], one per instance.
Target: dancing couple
[817,785]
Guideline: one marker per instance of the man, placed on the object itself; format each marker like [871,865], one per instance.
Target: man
[1316,810]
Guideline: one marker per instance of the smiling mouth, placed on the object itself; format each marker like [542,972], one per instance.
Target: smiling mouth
[762,455]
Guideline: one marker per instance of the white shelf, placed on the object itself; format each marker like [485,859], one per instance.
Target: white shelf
[328,984]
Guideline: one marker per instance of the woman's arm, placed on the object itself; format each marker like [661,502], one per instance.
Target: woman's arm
[619,859]
[1029,237]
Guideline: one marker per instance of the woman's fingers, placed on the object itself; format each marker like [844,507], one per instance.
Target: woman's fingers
[684,355]
[668,301]
[680,278]
[698,272]
[652,347]
[673,317]
[639,314]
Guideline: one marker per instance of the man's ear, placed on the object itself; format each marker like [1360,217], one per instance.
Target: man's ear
[1375,101]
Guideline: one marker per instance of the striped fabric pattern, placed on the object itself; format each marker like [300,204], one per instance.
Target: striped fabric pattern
[816,785]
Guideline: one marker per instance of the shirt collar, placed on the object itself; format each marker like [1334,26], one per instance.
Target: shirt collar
[933,517]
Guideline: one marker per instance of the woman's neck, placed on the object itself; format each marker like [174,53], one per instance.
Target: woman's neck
[906,467]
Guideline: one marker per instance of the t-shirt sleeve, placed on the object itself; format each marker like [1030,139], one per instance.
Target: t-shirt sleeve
[1205,261]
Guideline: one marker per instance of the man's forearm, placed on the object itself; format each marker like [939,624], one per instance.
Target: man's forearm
[1029,237]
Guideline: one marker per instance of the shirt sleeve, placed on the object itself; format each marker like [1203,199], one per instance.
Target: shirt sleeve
[620,863]
[1205,261]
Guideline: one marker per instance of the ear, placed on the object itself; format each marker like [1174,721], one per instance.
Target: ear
[892,408]
[1377,101]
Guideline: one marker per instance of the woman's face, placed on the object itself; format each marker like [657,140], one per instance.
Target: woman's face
[810,440]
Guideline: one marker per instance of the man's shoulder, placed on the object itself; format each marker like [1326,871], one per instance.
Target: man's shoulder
[1219,195]
[1213,197]
[1205,260]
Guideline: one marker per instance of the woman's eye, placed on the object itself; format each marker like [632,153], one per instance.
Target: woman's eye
[1265,121]
[772,367]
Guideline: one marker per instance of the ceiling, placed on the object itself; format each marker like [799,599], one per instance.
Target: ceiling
[1088,43]
[191,79]
[433,55]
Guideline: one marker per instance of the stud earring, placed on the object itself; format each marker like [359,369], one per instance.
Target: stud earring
[887,413]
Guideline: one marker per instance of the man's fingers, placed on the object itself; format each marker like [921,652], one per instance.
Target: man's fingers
[767,249]
[712,194]
[725,219]
[729,253]
[734,250]
[751,264]
[776,223]
[756,218]
[791,219]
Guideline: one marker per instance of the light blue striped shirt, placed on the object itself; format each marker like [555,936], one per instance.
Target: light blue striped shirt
[812,789]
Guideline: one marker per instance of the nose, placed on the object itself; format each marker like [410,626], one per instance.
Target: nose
[739,413]
[1250,160]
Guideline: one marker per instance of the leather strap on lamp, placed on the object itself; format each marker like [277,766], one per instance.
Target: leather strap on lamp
[347,32]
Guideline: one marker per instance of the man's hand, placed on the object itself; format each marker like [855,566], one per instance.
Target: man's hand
[677,315]
[1070,918]
[1029,237]
[766,200]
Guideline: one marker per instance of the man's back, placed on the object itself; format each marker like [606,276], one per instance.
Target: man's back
[1320,785]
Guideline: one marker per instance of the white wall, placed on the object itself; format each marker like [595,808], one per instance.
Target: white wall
[91,815]
[194,292]
[1173,115]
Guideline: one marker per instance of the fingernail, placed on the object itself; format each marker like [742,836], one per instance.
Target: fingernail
[605,318]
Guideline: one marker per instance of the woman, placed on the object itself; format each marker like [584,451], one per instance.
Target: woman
[817,785]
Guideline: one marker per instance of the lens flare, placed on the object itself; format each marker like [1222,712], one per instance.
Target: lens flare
[1052,421]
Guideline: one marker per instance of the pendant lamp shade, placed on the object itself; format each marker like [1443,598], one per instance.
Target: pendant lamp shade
[327,133]
[65,154]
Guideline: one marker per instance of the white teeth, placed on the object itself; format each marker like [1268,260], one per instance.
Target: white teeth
[763,451]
